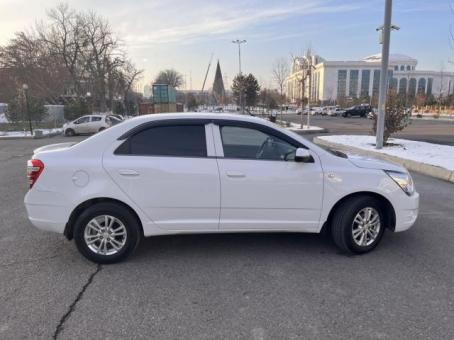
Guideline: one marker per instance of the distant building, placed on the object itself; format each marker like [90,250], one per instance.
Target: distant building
[333,80]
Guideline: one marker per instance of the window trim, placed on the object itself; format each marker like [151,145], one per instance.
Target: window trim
[216,124]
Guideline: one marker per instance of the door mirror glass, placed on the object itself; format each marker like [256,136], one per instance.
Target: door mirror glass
[303,155]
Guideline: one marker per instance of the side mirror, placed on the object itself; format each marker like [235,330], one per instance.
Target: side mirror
[303,155]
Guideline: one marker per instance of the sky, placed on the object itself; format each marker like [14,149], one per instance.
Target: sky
[183,34]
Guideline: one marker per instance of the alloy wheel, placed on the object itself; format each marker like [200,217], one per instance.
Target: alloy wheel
[105,235]
[366,226]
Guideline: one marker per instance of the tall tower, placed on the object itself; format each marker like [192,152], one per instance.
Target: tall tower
[218,86]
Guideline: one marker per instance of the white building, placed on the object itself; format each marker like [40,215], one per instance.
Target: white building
[333,80]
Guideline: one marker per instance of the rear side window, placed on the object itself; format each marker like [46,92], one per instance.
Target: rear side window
[177,140]
[95,119]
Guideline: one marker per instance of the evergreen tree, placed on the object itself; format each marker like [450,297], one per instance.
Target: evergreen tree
[248,86]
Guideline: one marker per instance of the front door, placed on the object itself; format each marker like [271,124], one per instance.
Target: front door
[166,170]
[262,187]
[82,124]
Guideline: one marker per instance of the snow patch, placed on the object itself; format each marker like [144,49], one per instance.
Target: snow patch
[427,153]
[3,118]
[45,132]
[297,127]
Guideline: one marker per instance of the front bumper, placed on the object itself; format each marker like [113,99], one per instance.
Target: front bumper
[407,212]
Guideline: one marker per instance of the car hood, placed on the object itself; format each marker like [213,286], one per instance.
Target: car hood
[373,163]
[54,147]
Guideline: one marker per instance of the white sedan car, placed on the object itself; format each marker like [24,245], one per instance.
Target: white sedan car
[211,173]
[89,124]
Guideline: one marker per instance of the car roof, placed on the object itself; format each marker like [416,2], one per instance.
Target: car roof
[198,115]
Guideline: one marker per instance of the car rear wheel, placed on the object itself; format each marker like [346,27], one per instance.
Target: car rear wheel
[106,233]
[101,128]
[69,132]
[358,225]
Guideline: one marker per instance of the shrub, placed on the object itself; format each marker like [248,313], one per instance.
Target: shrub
[397,117]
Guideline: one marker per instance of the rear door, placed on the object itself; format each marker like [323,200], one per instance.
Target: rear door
[170,172]
[95,124]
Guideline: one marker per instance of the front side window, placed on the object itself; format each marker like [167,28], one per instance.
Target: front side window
[177,141]
[247,143]
[82,120]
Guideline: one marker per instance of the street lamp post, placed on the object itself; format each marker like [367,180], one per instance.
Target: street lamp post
[239,42]
[27,108]
[88,95]
[384,39]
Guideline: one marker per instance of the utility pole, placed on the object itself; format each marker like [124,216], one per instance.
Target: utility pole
[239,42]
[386,32]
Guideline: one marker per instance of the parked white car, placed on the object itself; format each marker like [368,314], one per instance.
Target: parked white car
[89,124]
[335,111]
[211,173]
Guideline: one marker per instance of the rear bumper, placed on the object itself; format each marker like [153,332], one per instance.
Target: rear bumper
[407,213]
[46,217]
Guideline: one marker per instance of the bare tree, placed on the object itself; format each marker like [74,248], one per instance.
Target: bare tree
[170,77]
[126,76]
[63,37]
[66,56]
[281,71]
[29,62]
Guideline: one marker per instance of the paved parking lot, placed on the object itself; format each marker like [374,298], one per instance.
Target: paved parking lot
[258,286]
[432,131]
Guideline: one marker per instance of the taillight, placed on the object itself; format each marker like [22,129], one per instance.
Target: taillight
[34,169]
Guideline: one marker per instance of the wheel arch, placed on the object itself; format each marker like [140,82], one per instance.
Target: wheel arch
[68,232]
[387,208]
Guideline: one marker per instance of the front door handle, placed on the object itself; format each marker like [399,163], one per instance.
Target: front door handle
[235,174]
[128,172]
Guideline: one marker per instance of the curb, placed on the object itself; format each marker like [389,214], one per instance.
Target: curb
[443,119]
[308,132]
[426,169]
[31,137]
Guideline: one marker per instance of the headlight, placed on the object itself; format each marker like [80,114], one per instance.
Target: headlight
[404,180]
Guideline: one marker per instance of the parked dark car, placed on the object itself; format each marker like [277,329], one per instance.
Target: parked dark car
[358,110]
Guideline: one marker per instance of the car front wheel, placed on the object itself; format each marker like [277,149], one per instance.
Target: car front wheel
[106,233]
[358,225]
[69,132]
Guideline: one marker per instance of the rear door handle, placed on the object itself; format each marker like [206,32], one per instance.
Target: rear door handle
[235,174]
[128,172]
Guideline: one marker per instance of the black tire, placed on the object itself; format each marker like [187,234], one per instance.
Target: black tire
[70,132]
[133,232]
[101,128]
[342,224]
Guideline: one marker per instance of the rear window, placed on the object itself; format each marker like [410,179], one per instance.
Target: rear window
[177,141]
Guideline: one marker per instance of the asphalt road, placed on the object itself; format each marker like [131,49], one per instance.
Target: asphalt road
[432,131]
[251,286]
